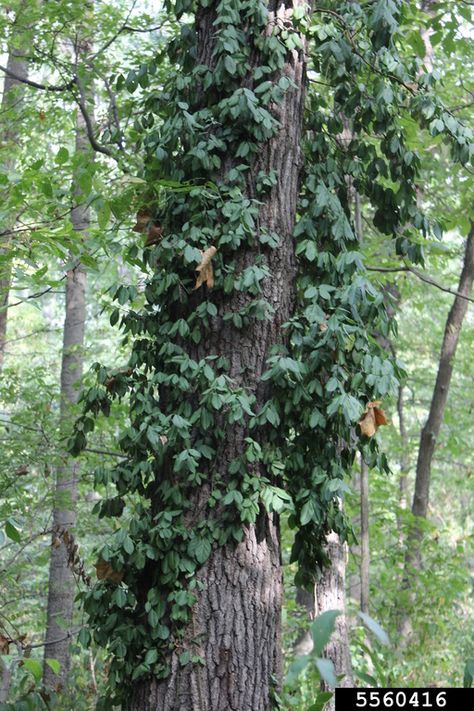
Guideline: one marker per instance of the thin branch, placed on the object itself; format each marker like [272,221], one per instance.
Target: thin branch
[37,85]
[422,277]
[34,296]
[105,452]
[116,35]
[81,102]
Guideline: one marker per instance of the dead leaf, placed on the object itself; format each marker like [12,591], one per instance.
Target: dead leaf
[146,224]
[56,542]
[22,470]
[144,218]
[105,572]
[155,233]
[372,418]
[110,383]
[4,644]
[206,274]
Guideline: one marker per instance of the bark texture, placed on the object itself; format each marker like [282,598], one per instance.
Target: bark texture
[62,589]
[238,609]
[404,459]
[13,90]
[364,537]
[331,595]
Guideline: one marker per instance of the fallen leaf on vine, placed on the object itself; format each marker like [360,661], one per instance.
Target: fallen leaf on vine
[144,219]
[154,235]
[4,644]
[206,274]
[105,572]
[372,418]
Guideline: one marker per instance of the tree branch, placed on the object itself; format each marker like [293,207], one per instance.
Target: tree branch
[37,85]
[422,277]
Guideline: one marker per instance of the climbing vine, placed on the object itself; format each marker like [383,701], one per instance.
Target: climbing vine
[201,136]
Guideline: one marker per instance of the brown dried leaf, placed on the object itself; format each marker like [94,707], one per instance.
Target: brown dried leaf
[4,644]
[105,572]
[22,470]
[367,423]
[56,542]
[380,417]
[144,217]
[205,271]
[372,418]
[110,383]
[155,233]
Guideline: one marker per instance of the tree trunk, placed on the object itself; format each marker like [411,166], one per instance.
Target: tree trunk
[364,537]
[13,90]
[61,591]
[331,595]
[431,429]
[237,612]
[404,460]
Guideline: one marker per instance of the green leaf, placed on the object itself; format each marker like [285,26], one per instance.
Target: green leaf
[367,678]
[230,64]
[12,532]
[327,671]
[468,674]
[62,155]
[151,656]
[297,667]
[54,665]
[321,700]
[374,627]
[84,637]
[322,629]
[35,667]
[200,548]
[128,545]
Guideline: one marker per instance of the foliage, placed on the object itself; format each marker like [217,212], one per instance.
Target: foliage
[329,365]
[376,125]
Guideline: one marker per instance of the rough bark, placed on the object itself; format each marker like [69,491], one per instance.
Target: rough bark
[61,590]
[12,97]
[404,457]
[364,537]
[331,595]
[431,428]
[238,610]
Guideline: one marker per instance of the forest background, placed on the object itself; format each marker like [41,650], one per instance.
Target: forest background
[77,86]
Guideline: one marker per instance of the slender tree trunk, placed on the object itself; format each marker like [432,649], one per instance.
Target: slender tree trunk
[61,591]
[364,537]
[13,90]
[331,595]
[431,429]
[404,457]
[237,614]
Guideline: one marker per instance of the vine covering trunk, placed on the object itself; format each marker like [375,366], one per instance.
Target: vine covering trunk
[237,613]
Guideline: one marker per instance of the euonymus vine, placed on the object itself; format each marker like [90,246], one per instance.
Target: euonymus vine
[304,436]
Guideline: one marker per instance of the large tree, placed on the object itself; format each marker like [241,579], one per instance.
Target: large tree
[252,358]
